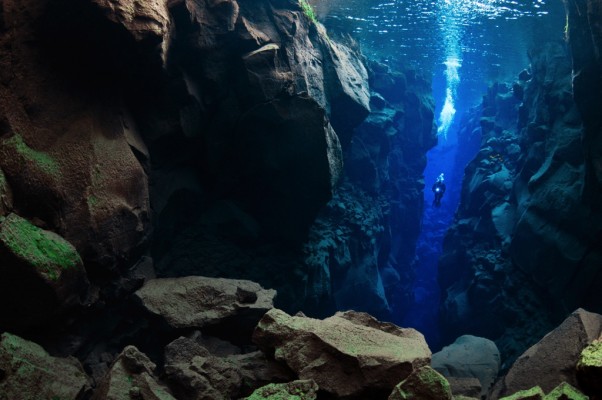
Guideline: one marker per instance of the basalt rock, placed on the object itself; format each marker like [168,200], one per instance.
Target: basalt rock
[200,302]
[350,355]
[301,390]
[194,373]
[132,375]
[553,360]
[425,383]
[27,371]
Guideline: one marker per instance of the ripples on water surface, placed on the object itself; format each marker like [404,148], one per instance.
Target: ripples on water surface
[490,38]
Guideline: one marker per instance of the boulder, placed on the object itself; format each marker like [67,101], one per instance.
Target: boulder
[198,302]
[131,377]
[350,354]
[194,373]
[589,368]
[296,390]
[469,357]
[42,274]
[554,358]
[467,387]
[424,384]
[27,371]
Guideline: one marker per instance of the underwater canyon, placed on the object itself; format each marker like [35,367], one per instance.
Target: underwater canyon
[228,199]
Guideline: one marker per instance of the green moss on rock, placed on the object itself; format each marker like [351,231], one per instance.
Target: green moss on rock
[425,383]
[44,250]
[297,390]
[534,393]
[565,391]
[591,356]
[40,159]
[309,11]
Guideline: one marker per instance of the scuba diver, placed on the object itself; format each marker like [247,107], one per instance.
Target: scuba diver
[439,190]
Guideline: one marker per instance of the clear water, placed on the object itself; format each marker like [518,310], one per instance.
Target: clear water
[464,45]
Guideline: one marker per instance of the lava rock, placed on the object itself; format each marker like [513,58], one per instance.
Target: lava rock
[554,358]
[29,372]
[424,384]
[467,387]
[534,393]
[301,390]
[194,373]
[349,355]
[469,357]
[564,391]
[42,274]
[198,302]
[132,376]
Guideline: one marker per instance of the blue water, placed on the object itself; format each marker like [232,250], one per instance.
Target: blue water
[463,45]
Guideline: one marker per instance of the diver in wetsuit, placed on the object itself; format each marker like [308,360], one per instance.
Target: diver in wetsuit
[439,190]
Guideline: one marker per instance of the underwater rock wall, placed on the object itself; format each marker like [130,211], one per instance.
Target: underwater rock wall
[205,134]
[524,250]
[361,247]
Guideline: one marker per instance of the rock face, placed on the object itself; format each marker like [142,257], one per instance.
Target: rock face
[350,355]
[589,368]
[469,357]
[525,245]
[28,372]
[42,274]
[553,360]
[131,376]
[199,302]
[351,248]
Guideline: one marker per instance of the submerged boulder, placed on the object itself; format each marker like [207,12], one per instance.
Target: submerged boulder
[131,377]
[469,357]
[42,274]
[198,302]
[193,372]
[350,354]
[589,368]
[553,360]
[27,371]
[424,384]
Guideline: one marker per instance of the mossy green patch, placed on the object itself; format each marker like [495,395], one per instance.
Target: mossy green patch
[309,11]
[591,356]
[534,393]
[46,251]
[285,391]
[38,158]
[565,391]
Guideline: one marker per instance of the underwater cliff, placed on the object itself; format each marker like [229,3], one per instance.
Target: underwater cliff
[226,199]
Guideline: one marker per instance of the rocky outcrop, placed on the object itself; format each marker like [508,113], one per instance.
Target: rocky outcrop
[199,302]
[553,360]
[364,240]
[27,371]
[589,369]
[469,357]
[132,376]
[524,248]
[349,355]
[42,274]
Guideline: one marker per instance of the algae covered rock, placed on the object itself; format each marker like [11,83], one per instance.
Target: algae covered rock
[564,391]
[424,384]
[589,368]
[297,390]
[348,355]
[534,393]
[42,273]
[131,377]
[27,371]
[6,198]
